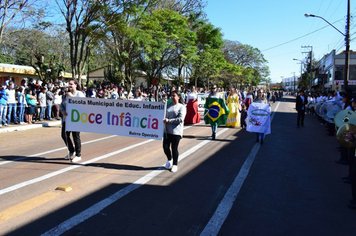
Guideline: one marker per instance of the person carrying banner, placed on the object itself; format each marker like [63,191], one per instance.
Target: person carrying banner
[174,123]
[193,116]
[216,111]
[259,117]
[73,92]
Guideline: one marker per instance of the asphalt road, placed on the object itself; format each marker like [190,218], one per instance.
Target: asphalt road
[229,186]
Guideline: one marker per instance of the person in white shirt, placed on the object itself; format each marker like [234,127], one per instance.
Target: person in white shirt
[57,102]
[192,116]
[12,104]
[42,102]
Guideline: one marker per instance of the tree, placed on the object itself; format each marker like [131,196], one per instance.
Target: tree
[124,37]
[15,11]
[250,58]
[83,28]
[183,7]
[209,60]
[165,33]
[43,48]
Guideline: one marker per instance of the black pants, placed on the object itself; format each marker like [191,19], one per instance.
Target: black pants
[68,141]
[171,140]
[300,118]
[352,166]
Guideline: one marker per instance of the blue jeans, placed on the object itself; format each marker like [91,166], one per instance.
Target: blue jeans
[214,128]
[42,112]
[21,112]
[3,109]
[11,110]
[49,112]
[258,135]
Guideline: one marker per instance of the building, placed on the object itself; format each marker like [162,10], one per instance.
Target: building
[330,72]
[290,84]
[19,73]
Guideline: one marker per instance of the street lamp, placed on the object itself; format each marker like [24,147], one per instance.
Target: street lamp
[347,41]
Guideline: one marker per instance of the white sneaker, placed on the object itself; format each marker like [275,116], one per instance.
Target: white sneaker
[168,164]
[174,168]
[76,159]
[69,156]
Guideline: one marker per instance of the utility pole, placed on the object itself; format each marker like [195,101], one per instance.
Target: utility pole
[311,63]
[347,53]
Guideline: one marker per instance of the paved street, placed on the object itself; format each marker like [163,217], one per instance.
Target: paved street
[229,186]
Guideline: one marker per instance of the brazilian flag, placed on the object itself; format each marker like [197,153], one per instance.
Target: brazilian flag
[216,111]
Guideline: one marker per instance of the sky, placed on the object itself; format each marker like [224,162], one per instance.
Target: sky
[279,29]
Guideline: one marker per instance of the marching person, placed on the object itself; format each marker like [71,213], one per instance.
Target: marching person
[301,101]
[214,94]
[174,123]
[193,116]
[233,119]
[260,99]
[73,92]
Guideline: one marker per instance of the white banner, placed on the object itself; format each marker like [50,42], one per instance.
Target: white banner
[259,118]
[119,117]
[201,101]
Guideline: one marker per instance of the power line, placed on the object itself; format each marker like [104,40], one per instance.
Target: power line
[298,37]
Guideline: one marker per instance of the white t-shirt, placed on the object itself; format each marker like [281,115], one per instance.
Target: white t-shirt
[42,99]
[10,94]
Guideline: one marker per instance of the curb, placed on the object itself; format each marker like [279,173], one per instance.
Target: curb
[26,127]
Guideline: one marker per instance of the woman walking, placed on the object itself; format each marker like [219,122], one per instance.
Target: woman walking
[260,99]
[193,116]
[174,122]
[233,119]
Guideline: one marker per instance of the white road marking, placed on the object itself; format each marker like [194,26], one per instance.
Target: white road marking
[58,172]
[65,148]
[95,209]
[223,210]
[54,150]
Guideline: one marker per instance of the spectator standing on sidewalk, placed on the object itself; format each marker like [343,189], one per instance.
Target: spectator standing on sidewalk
[73,92]
[49,102]
[3,106]
[42,102]
[56,104]
[31,104]
[12,103]
[21,104]
[174,122]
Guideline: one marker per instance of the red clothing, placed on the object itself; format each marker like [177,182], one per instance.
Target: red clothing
[192,116]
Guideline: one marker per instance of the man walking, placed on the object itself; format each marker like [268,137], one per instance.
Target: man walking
[300,107]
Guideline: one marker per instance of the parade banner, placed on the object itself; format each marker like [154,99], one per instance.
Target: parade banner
[258,118]
[119,117]
[201,101]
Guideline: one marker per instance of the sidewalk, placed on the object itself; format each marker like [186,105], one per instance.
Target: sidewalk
[14,127]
